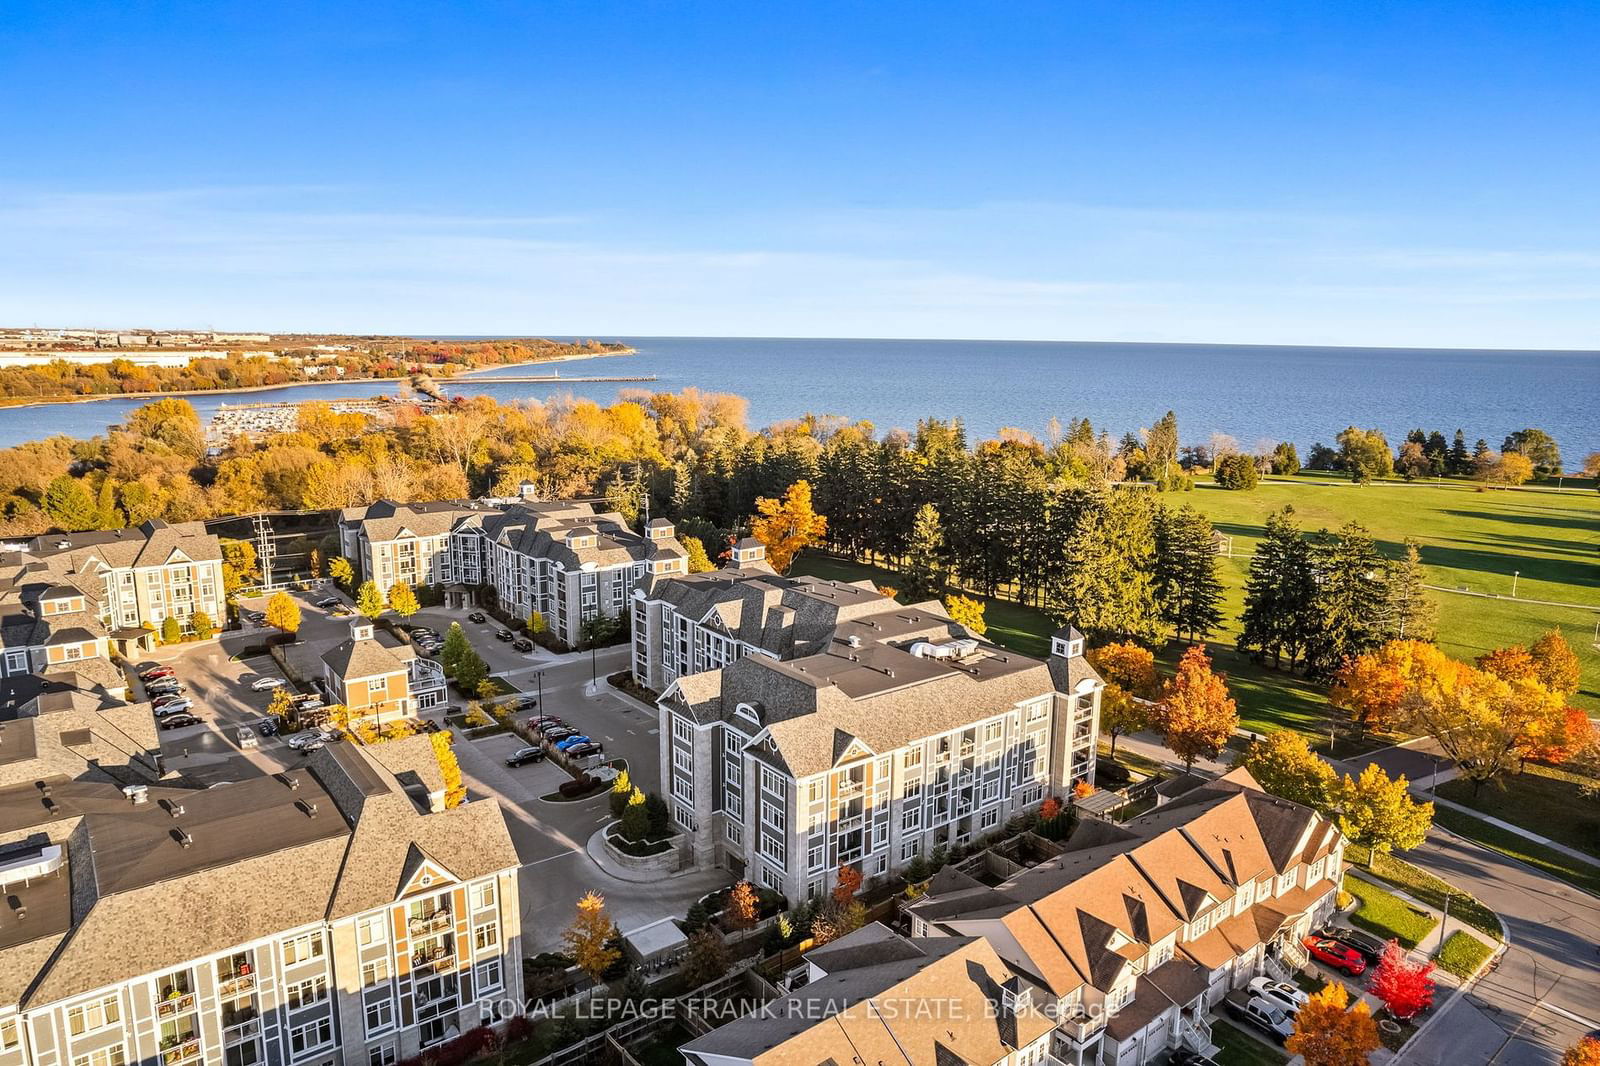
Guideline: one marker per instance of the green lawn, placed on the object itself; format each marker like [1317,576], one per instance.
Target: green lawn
[1463,953]
[1573,871]
[1239,1048]
[1423,886]
[1543,799]
[1387,915]
[1470,539]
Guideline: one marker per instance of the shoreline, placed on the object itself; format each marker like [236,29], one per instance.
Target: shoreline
[247,389]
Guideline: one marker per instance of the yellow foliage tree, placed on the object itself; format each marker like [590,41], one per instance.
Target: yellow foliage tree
[449,768]
[1326,1033]
[787,526]
[967,612]
[283,613]
[589,937]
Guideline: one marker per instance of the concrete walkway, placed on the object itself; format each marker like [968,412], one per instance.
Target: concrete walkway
[1526,834]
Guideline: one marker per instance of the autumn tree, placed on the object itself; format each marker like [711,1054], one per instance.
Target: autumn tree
[455,646]
[1364,454]
[787,526]
[967,612]
[402,600]
[1585,1052]
[536,623]
[705,959]
[314,562]
[847,884]
[171,630]
[1284,765]
[1372,687]
[1554,664]
[1128,665]
[202,625]
[1507,470]
[1484,723]
[698,561]
[369,600]
[1329,1032]
[283,613]
[1511,663]
[281,706]
[590,937]
[1405,987]
[742,906]
[449,767]
[238,564]
[342,572]
[1196,716]
[1378,812]
[1121,713]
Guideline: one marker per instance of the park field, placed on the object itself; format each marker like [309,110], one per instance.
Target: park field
[1469,539]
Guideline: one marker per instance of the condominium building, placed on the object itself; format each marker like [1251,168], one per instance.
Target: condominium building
[318,916]
[847,729]
[376,676]
[1137,931]
[564,560]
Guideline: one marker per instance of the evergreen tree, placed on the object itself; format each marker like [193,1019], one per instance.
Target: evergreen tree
[924,573]
[1187,584]
[1279,591]
[1460,462]
[1107,587]
[111,516]
[1409,613]
[455,645]
[1161,448]
[1351,605]
[70,506]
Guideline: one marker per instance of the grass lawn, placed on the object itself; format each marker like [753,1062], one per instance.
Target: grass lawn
[1543,799]
[1421,885]
[1387,915]
[1573,871]
[1238,1048]
[1463,953]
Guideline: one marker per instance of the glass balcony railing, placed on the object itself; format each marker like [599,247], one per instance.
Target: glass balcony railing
[178,1050]
[421,926]
[175,1003]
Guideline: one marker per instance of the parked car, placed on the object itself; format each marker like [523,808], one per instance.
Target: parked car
[539,721]
[505,634]
[1287,995]
[523,756]
[168,701]
[173,707]
[158,672]
[1261,1014]
[247,737]
[329,602]
[178,721]
[267,727]
[304,741]
[555,734]
[522,703]
[261,684]
[567,742]
[159,691]
[584,750]
[1371,947]
[522,645]
[477,616]
[1333,953]
[252,618]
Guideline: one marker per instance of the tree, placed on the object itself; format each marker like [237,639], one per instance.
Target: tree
[635,819]
[403,600]
[1409,612]
[1279,599]
[1161,447]
[589,937]
[202,625]
[1284,765]
[1372,687]
[449,768]
[966,612]
[1364,454]
[1379,813]
[1121,714]
[455,646]
[1285,460]
[1483,722]
[1326,1033]
[1585,1052]
[281,706]
[787,526]
[314,562]
[924,570]
[70,505]
[1507,470]
[847,884]
[283,613]
[1459,461]
[1554,664]
[742,906]
[699,562]
[342,572]
[1413,462]
[470,670]
[1187,584]
[1127,664]
[705,959]
[369,600]
[1349,605]
[1196,716]
[1237,472]
[238,564]
[1107,587]
[1405,987]
[171,630]
[1511,663]
[621,792]
[1538,447]
[537,624]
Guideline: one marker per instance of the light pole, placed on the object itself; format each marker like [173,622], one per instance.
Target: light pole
[538,675]
[1514,575]
[1445,922]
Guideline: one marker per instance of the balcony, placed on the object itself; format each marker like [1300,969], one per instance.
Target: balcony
[244,1025]
[231,986]
[170,1006]
[429,923]
[437,957]
[1079,1031]
[177,1050]
[849,786]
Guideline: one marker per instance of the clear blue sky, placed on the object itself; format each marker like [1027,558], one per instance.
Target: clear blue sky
[1344,173]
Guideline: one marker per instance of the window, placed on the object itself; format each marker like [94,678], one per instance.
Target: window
[911,819]
[88,1017]
[369,930]
[989,819]
[992,730]
[488,975]
[16,662]
[309,1037]
[735,834]
[486,936]
[305,993]
[771,813]
[377,686]
[912,757]
[772,848]
[771,781]
[684,817]
[483,895]
[106,1056]
[8,1034]
[382,1055]
[771,880]
[814,791]
[816,854]
[680,729]
[303,948]
[245,1054]
[376,998]
[908,850]
[1037,711]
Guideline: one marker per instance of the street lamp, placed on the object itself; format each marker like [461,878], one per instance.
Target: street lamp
[1514,575]
[1445,921]
[538,675]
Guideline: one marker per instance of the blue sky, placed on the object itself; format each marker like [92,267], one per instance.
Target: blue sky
[1322,173]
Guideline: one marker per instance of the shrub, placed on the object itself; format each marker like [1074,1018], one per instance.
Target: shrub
[656,810]
[577,786]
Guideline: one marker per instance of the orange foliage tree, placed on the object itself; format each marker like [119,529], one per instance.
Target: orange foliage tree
[847,884]
[1196,715]
[788,525]
[1371,687]
[1328,1034]
[1585,1052]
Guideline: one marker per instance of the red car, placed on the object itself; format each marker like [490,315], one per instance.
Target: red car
[1339,956]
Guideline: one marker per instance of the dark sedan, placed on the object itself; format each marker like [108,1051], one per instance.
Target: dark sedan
[523,756]
[476,616]
[178,721]
[1370,947]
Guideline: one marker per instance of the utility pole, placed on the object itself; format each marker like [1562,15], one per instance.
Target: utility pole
[1445,922]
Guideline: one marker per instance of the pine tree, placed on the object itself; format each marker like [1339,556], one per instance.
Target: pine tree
[1459,462]
[1107,586]
[111,516]
[1279,594]
[70,506]
[1351,606]
[924,573]
[1409,613]
[1187,584]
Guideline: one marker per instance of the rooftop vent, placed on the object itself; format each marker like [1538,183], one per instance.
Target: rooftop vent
[309,808]
[137,793]
[292,782]
[185,840]
[63,544]
[950,649]
[174,809]
[853,640]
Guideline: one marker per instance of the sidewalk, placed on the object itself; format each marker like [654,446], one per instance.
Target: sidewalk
[1526,834]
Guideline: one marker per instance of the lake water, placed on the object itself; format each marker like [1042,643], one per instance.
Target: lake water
[1250,393]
